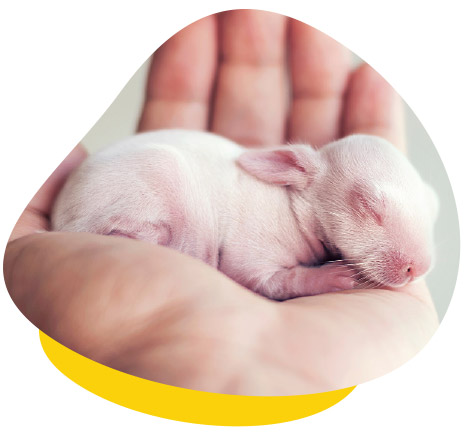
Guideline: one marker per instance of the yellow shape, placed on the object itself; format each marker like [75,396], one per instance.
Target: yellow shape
[184,404]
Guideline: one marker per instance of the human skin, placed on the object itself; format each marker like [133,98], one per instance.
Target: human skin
[152,312]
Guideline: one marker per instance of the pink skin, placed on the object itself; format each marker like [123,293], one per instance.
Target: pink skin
[267,219]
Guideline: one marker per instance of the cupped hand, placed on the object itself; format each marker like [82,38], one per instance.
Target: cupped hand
[158,314]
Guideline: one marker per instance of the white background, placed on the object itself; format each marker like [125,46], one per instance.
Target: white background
[61,70]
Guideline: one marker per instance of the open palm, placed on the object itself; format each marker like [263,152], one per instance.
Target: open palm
[158,314]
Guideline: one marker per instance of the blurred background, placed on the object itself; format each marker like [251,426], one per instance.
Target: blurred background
[121,118]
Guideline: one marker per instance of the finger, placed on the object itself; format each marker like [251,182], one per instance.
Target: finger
[181,79]
[35,216]
[250,101]
[111,297]
[84,311]
[373,107]
[319,69]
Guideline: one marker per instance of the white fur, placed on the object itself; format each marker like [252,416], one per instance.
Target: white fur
[268,219]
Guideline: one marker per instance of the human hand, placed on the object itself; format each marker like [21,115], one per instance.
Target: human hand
[158,314]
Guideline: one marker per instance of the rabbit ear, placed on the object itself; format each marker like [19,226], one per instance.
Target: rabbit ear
[432,200]
[293,165]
